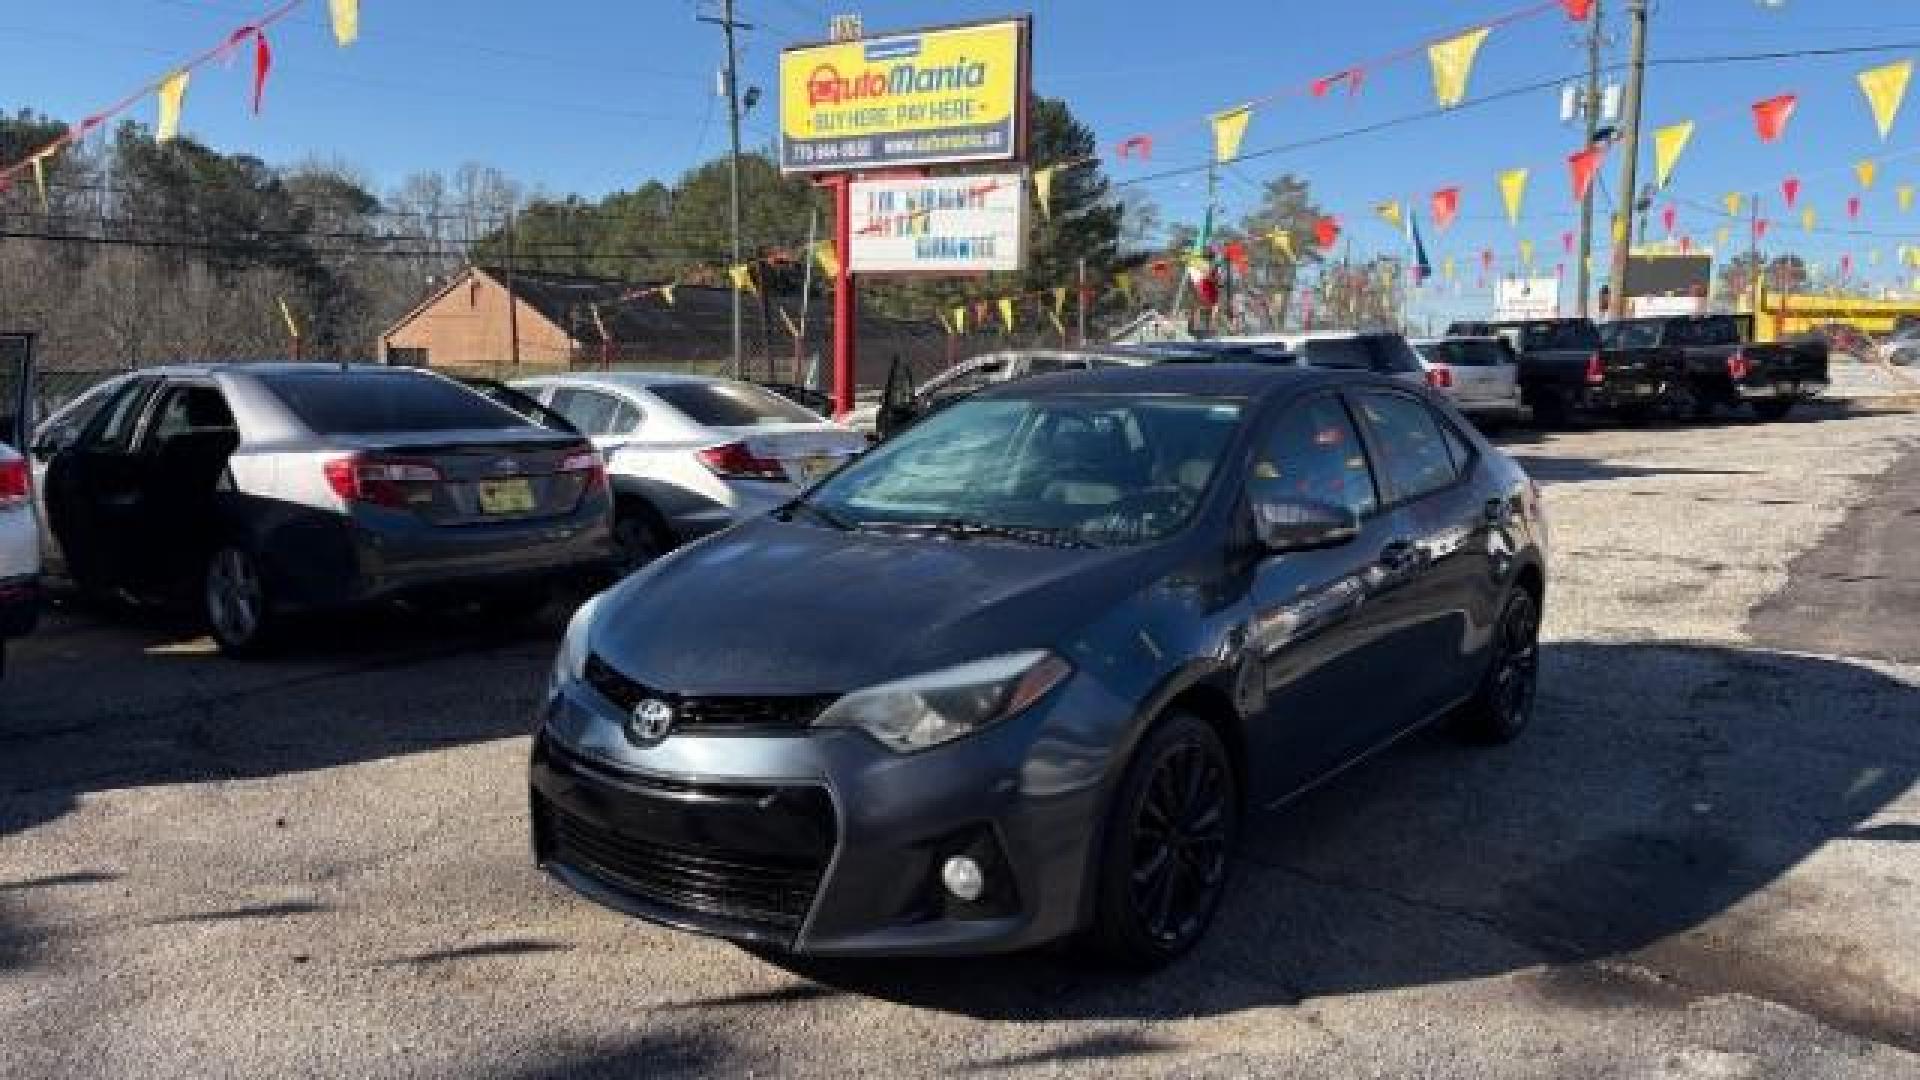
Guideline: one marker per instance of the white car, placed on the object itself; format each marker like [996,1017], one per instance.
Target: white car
[19,528]
[1479,375]
[689,455]
[1383,353]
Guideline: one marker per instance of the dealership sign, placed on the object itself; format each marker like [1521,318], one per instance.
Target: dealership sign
[1527,298]
[935,96]
[941,225]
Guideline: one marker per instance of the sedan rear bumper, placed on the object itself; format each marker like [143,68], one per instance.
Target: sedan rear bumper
[1785,389]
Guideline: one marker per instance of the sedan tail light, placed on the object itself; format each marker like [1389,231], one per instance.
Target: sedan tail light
[16,483]
[1440,377]
[1596,370]
[586,460]
[735,462]
[382,481]
[1738,368]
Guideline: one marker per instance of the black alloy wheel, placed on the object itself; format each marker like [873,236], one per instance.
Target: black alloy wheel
[1503,706]
[1169,846]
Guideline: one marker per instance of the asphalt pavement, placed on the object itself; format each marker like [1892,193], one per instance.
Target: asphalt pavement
[1703,861]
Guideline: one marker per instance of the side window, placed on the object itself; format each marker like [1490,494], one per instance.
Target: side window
[1315,454]
[1413,451]
[588,410]
[187,409]
[1458,448]
[112,428]
[626,419]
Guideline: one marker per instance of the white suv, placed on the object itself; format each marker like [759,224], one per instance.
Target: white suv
[19,529]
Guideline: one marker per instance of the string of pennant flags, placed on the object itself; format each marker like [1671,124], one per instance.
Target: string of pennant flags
[169,90]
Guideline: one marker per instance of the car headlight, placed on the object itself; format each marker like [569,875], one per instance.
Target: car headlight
[941,706]
[571,666]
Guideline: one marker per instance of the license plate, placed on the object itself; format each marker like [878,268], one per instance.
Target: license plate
[513,496]
[814,468]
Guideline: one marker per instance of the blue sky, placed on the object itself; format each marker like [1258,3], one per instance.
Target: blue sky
[593,95]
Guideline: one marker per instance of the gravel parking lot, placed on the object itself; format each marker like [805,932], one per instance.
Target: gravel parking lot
[1704,860]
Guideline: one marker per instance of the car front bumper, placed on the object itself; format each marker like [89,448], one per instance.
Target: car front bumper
[818,841]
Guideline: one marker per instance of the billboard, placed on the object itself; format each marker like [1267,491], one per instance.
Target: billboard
[938,225]
[951,94]
[1527,298]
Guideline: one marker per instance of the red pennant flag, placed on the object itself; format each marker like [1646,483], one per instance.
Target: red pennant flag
[1326,232]
[1351,77]
[1566,242]
[262,63]
[1771,116]
[1760,228]
[1585,163]
[1486,258]
[1853,208]
[1236,253]
[1140,144]
[1160,268]
[1578,10]
[1446,207]
[1559,270]
[1846,266]
[1686,244]
[1790,187]
[1669,217]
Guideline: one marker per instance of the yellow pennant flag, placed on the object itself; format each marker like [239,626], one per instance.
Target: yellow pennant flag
[1808,219]
[1865,171]
[173,91]
[1526,253]
[1733,202]
[346,21]
[1886,88]
[1124,282]
[1043,191]
[743,278]
[946,323]
[1668,144]
[960,320]
[1589,266]
[1059,300]
[293,326]
[667,292]
[1873,256]
[1452,61]
[1720,237]
[1006,312]
[1513,192]
[1390,213]
[1228,129]
[1446,269]
[1619,230]
[1058,324]
[1283,243]
[1905,196]
[828,258]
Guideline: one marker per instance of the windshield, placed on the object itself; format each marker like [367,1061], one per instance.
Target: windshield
[1070,471]
[730,404]
[1630,335]
[333,402]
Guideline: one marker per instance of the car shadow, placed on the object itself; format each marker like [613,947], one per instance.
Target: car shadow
[1660,787]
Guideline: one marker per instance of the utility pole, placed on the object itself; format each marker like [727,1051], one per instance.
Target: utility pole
[732,78]
[513,294]
[1755,285]
[1594,24]
[1630,168]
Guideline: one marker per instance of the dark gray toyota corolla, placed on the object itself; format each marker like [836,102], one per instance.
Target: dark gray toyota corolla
[1019,672]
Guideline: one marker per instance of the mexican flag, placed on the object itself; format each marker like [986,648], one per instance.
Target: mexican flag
[1206,286]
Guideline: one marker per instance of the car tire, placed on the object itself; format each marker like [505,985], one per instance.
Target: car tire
[1771,411]
[640,534]
[1169,842]
[1550,410]
[236,605]
[1502,706]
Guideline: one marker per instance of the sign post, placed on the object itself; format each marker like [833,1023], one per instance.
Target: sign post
[939,96]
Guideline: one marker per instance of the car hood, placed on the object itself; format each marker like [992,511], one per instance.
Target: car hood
[773,607]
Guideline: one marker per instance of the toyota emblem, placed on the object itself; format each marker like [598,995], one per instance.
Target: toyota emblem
[652,721]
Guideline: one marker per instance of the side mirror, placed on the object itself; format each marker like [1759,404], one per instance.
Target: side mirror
[1284,525]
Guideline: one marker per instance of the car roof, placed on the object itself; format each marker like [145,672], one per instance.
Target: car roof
[632,380]
[1199,380]
[1454,337]
[1316,335]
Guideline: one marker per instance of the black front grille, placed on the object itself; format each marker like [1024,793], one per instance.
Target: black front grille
[728,712]
[762,890]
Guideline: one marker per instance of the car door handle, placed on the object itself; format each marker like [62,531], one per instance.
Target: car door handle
[1398,555]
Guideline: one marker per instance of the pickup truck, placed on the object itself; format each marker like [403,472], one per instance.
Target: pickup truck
[1565,368]
[1726,368]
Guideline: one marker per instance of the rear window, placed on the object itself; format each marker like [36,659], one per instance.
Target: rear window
[1630,335]
[355,403]
[1391,353]
[1705,333]
[1465,353]
[1349,354]
[730,405]
[1572,334]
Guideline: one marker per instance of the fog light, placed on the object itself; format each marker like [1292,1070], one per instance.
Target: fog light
[963,878]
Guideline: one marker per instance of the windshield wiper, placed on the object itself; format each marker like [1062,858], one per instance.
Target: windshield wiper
[962,527]
[821,513]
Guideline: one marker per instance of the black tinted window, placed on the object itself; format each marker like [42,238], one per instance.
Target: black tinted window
[187,409]
[1705,333]
[730,404]
[1346,353]
[112,428]
[1391,353]
[1465,353]
[1413,451]
[1315,454]
[352,403]
[1568,334]
[1630,335]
